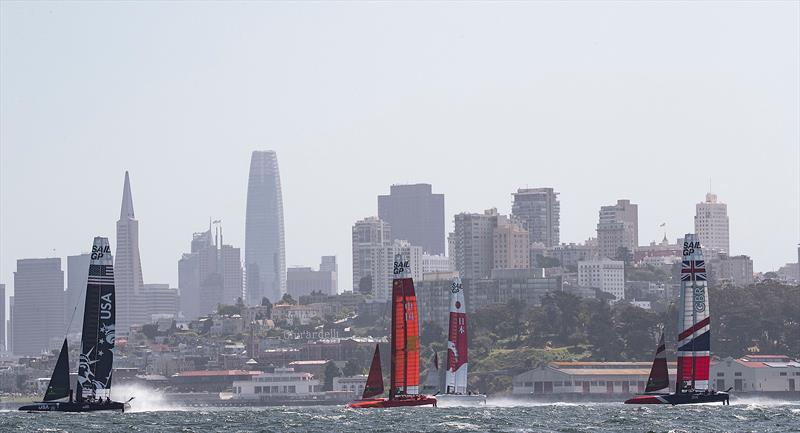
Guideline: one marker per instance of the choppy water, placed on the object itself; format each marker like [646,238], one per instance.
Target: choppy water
[766,417]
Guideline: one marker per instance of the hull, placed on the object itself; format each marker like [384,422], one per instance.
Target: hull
[50,406]
[683,398]
[461,399]
[417,400]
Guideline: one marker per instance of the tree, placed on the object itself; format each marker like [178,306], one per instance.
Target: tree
[601,333]
[331,371]
[287,299]
[431,332]
[352,367]
[365,285]
[228,310]
[624,254]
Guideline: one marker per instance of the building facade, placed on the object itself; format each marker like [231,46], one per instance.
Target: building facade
[209,275]
[618,227]
[38,309]
[736,270]
[540,213]
[329,264]
[283,384]
[757,373]
[586,378]
[160,301]
[265,251]
[472,244]
[3,346]
[416,215]
[435,263]
[77,277]
[510,245]
[302,281]
[711,224]
[368,234]
[128,280]
[605,274]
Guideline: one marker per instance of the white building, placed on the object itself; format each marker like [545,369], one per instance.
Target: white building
[298,314]
[606,275]
[284,383]
[586,378]
[618,227]
[436,263]
[353,385]
[711,224]
[757,373]
[368,235]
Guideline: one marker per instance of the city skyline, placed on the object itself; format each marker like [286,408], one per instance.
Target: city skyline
[520,125]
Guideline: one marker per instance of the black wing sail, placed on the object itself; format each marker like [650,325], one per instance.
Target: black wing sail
[97,339]
[59,382]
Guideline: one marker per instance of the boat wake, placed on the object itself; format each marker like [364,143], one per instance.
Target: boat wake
[145,399]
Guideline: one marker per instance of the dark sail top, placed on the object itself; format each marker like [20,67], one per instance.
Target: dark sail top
[659,375]
[97,339]
[59,382]
[374,386]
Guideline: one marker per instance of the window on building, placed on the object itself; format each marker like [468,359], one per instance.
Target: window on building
[720,374]
[258,390]
[738,373]
[783,373]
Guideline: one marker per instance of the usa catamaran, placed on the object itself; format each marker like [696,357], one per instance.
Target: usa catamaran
[93,389]
[694,341]
[457,359]
[404,382]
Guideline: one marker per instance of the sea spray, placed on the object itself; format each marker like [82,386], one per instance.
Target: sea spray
[144,399]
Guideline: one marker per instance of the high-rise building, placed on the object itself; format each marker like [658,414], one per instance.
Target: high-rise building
[368,234]
[711,224]
[2,318]
[161,301]
[382,272]
[604,274]
[265,256]
[472,244]
[209,275]
[130,308]
[10,325]
[415,215]
[328,264]
[736,270]
[302,281]
[618,227]
[77,276]
[510,245]
[436,264]
[38,312]
[540,213]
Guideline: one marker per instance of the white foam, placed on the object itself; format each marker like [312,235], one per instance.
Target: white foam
[145,399]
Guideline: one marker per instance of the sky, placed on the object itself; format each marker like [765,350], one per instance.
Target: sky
[648,101]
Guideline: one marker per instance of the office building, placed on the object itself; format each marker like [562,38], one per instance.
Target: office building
[415,215]
[618,227]
[711,224]
[604,274]
[38,308]
[368,235]
[539,211]
[265,256]
[128,267]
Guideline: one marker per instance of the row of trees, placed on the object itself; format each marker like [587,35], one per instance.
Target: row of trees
[761,318]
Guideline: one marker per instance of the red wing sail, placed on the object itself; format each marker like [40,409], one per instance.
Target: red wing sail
[659,376]
[405,339]
[374,386]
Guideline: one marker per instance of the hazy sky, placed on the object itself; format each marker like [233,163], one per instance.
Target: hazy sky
[645,101]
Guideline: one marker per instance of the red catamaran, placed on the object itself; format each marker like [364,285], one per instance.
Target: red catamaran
[694,341]
[404,382]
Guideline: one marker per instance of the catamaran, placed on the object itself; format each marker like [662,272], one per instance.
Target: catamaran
[404,381]
[97,347]
[694,341]
[457,359]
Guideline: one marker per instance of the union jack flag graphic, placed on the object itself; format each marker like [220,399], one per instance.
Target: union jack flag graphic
[693,270]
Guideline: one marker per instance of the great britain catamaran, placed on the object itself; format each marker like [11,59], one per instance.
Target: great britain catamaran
[404,381]
[93,388]
[455,391]
[694,341]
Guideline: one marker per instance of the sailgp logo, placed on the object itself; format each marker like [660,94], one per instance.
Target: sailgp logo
[455,287]
[99,252]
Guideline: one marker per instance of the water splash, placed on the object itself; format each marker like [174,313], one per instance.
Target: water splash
[145,399]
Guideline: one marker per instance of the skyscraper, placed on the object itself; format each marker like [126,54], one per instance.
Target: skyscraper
[209,275]
[540,212]
[618,227]
[328,264]
[77,275]
[2,318]
[711,224]
[472,244]
[415,214]
[265,257]
[368,234]
[128,266]
[38,313]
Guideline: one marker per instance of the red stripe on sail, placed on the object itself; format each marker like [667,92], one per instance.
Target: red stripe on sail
[696,327]
[457,335]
